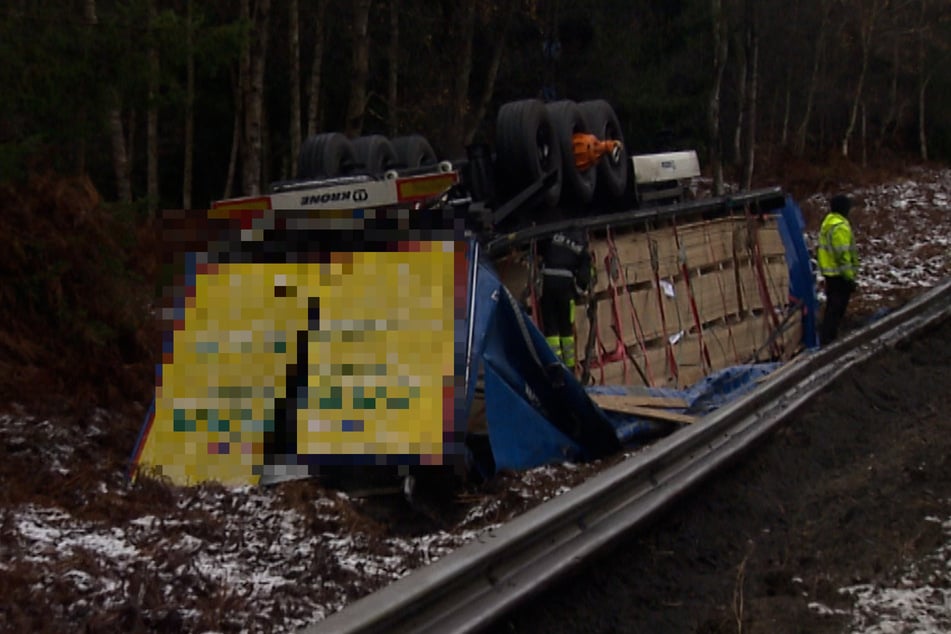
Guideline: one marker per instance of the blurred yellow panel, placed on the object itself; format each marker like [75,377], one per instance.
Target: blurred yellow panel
[378,327]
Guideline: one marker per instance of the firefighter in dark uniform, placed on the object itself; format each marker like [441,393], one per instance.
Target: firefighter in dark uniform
[566,275]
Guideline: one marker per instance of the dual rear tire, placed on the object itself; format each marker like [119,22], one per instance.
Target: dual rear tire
[533,138]
[331,154]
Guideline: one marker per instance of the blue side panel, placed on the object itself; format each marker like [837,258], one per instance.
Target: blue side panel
[516,352]
[801,284]
[520,437]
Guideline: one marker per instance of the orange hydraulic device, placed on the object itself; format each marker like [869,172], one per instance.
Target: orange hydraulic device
[589,148]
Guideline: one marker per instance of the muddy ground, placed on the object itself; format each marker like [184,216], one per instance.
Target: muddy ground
[851,491]
[82,549]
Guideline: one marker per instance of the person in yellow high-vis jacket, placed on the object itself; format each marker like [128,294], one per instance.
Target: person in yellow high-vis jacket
[838,264]
[566,274]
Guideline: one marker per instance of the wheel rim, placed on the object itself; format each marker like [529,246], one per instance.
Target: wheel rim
[543,145]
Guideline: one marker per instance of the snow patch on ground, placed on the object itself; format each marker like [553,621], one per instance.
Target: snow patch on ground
[920,602]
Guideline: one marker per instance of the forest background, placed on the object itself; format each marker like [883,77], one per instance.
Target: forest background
[176,103]
[112,110]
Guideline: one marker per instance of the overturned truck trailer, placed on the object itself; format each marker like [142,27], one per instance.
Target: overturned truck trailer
[379,310]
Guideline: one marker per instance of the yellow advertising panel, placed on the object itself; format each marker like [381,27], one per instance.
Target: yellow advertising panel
[281,366]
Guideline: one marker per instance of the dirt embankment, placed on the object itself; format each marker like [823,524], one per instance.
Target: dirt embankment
[852,491]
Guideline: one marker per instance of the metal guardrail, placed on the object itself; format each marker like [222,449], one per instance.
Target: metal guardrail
[472,587]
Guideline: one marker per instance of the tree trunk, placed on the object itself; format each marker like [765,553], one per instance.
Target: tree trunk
[360,72]
[89,12]
[803,130]
[235,132]
[313,86]
[891,115]
[293,40]
[130,127]
[720,51]
[189,171]
[924,78]
[741,100]
[488,89]
[922,127]
[393,75]
[120,160]
[463,35]
[254,99]
[787,105]
[867,31]
[151,141]
[238,141]
[753,60]
[864,137]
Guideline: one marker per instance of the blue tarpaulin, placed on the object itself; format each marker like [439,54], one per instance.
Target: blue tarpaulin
[537,411]
[703,397]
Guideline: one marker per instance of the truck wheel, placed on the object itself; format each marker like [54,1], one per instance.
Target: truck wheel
[325,155]
[567,120]
[375,153]
[612,170]
[526,148]
[414,151]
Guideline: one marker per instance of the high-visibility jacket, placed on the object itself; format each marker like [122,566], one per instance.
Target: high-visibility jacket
[836,253]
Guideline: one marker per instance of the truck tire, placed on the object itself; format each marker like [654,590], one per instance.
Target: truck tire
[325,155]
[567,120]
[375,153]
[612,170]
[526,148]
[414,151]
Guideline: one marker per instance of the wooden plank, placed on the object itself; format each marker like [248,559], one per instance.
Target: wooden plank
[617,404]
[638,400]
[770,240]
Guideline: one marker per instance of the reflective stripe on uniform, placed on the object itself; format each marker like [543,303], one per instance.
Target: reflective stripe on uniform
[568,351]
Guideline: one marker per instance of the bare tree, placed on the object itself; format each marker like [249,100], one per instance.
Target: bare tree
[818,54]
[933,55]
[254,66]
[293,70]
[463,34]
[151,140]
[720,51]
[120,157]
[360,71]
[235,134]
[393,75]
[189,171]
[752,58]
[316,70]
[868,13]
[239,81]
[742,86]
[488,88]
